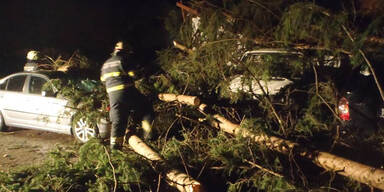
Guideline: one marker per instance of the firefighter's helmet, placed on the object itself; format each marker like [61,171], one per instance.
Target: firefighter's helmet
[33,55]
[119,46]
[122,46]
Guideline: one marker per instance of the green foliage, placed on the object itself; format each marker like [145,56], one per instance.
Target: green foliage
[78,84]
[262,182]
[236,154]
[155,84]
[91,170]
[317,116]
[224,31]
[173,22]
[214,47]
[311,23]
[229,152]
[86,95]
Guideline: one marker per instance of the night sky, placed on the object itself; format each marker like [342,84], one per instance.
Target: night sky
[90,26]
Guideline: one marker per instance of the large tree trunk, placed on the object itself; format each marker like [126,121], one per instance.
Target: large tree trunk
[362,173]
[175,178]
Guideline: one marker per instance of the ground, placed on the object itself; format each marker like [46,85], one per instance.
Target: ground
[20,147]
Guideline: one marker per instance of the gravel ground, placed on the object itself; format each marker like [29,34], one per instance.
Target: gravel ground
[22,147]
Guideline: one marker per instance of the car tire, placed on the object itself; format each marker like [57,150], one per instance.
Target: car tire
[83,131]
[3,127]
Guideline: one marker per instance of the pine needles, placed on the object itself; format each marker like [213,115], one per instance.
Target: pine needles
[214,43]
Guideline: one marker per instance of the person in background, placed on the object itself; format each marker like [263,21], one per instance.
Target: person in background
[117,73]
[32,61]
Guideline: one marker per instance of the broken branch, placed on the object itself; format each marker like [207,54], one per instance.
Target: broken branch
[182,47]
[175,178]
[186,8]
[185,99]
[263,169]
[113,169]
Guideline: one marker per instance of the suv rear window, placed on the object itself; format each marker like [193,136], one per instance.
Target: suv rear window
[16,83]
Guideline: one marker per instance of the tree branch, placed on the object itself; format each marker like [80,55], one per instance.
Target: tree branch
[321,97]
[362,173]
[263,169]
[113,169]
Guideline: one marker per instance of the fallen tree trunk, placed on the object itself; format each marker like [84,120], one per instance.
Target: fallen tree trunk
[357,171]
[354,170]
[175,178]
[184,99]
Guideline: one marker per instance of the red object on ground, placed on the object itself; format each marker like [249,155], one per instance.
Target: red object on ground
[344,109]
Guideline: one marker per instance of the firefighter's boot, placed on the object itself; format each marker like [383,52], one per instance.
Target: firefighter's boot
[147,129]
[116,143]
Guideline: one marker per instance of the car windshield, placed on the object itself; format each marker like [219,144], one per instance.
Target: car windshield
[60,80]
[87,85]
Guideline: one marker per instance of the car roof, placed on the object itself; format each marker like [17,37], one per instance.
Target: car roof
[49,73]
[273,50]
[263,51]
[53,74]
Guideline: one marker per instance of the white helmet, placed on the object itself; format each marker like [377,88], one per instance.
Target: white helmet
[119,46]
[33,55]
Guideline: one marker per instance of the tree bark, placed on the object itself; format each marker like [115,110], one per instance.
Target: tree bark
[184,99]
[186,8]
[182,47]
[357,171]
[175,178]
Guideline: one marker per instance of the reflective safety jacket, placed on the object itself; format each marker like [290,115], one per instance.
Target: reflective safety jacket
[114,73]
[31,66]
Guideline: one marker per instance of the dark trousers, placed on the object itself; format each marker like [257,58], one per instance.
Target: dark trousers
[124,103]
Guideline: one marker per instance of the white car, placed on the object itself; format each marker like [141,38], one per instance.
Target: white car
[285,59]
[25,104]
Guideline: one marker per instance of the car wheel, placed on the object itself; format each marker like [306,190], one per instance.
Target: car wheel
[82,131]
[3,127]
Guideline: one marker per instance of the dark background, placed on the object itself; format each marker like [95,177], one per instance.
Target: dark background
[90,26]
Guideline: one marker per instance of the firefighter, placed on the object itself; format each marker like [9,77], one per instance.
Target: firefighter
[118,76]
[32,61]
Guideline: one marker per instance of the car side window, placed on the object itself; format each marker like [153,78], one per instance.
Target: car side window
[3,85]
[16,83]
[36,85]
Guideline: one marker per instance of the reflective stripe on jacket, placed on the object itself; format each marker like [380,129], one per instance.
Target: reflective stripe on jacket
[105,76]
[118,87]
[113,74]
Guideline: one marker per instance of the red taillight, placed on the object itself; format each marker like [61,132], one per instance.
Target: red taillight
[344,109]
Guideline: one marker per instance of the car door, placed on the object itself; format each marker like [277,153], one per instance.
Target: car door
[15,108]
[51,113]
